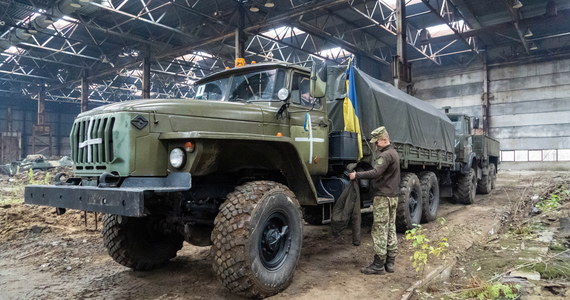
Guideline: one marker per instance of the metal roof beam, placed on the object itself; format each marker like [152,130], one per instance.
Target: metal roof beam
[468,16]
[514,13]
[27,75]
[450,15]
[388,23]
[344,44]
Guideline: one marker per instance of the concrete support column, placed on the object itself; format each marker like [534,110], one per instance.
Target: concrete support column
[9,119]
[401,70]
[485,98]
[41,132]
[84,91]
[41,104]
[146,75]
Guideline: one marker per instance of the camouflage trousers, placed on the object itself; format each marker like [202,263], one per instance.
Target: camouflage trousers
[384,226]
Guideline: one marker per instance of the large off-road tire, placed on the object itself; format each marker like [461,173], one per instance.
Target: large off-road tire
[466,188]
[493,175]
[409,210]
[257,239]
[313,214]
[137,244]
[485,185]
[430,196]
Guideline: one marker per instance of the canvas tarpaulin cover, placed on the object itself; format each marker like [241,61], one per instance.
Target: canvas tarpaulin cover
[408,120]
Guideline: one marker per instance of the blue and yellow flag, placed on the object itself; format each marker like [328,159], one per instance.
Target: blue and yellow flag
[350,108]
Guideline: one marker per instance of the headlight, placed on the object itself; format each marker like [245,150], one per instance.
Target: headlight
[177,157]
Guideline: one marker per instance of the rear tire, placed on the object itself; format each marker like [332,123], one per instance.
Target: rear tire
[135,243]
[257,239]
[409,210]
[493,174]
[466,188]
[485,185]
[430,196]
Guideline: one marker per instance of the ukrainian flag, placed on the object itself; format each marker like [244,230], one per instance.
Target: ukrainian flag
[350,107]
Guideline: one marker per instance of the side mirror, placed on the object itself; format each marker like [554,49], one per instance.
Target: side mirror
[318,85]
[475,123]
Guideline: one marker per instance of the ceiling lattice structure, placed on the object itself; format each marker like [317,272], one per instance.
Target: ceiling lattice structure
[53,44]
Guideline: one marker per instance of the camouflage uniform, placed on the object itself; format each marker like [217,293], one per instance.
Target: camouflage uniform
[384,226]
[386,179]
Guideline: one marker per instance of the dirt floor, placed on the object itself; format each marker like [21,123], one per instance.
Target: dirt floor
[44,256]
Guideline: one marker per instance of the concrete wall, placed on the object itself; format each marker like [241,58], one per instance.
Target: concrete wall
[24,114]
[529,108]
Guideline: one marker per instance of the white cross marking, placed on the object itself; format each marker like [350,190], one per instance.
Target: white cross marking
[89,141]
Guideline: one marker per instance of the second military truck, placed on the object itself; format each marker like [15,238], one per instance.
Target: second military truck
[236,166]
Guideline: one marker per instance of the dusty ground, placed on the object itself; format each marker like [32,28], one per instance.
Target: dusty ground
[43,256]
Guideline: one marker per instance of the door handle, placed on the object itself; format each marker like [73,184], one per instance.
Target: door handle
[323,124]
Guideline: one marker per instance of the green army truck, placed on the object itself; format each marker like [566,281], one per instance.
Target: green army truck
[238,167]
[479,154]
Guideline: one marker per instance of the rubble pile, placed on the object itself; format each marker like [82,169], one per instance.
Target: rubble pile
[21,220]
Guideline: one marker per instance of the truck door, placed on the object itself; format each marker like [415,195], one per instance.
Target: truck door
[309,125]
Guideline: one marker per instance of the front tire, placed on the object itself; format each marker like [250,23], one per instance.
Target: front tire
[137,244]
[257,239]
[410,202]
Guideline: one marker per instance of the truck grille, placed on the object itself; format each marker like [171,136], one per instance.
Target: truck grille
[92,141]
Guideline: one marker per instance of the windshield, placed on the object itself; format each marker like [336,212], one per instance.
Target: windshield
[458,127]
[213,90]
[255,85]
[457,123]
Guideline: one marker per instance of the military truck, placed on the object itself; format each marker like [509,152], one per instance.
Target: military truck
[479,153]
[235,166]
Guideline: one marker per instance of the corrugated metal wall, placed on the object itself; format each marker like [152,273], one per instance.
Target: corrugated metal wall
[529,108]
[24,114]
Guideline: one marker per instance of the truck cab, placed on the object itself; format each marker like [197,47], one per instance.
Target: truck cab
[476,153]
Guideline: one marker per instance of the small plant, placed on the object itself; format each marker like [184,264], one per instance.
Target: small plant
[31,177]
[32,180]
[550,204]
[47,179]
[491,291]
[423,247]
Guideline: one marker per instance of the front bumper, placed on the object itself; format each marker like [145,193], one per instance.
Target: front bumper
[127,200]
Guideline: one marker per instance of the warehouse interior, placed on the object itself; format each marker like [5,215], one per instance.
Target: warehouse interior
[505,62]
[239,149]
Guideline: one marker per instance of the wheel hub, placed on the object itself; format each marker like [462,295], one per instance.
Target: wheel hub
[273,245]
[413,203]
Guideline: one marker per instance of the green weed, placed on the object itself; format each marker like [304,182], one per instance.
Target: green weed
[424,248]
[491,291]
[550,204]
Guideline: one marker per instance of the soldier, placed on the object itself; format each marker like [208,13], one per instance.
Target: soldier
[386,179]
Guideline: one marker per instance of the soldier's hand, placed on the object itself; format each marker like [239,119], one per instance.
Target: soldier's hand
[352,175]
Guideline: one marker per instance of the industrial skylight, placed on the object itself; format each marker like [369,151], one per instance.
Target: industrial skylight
[14,50]
[10,53]
[195,56]
[63,22]
[444,29]
[334,53]
[282,32]
[392,3]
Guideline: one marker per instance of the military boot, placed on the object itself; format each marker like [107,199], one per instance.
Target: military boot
[390,261]
[376,267]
